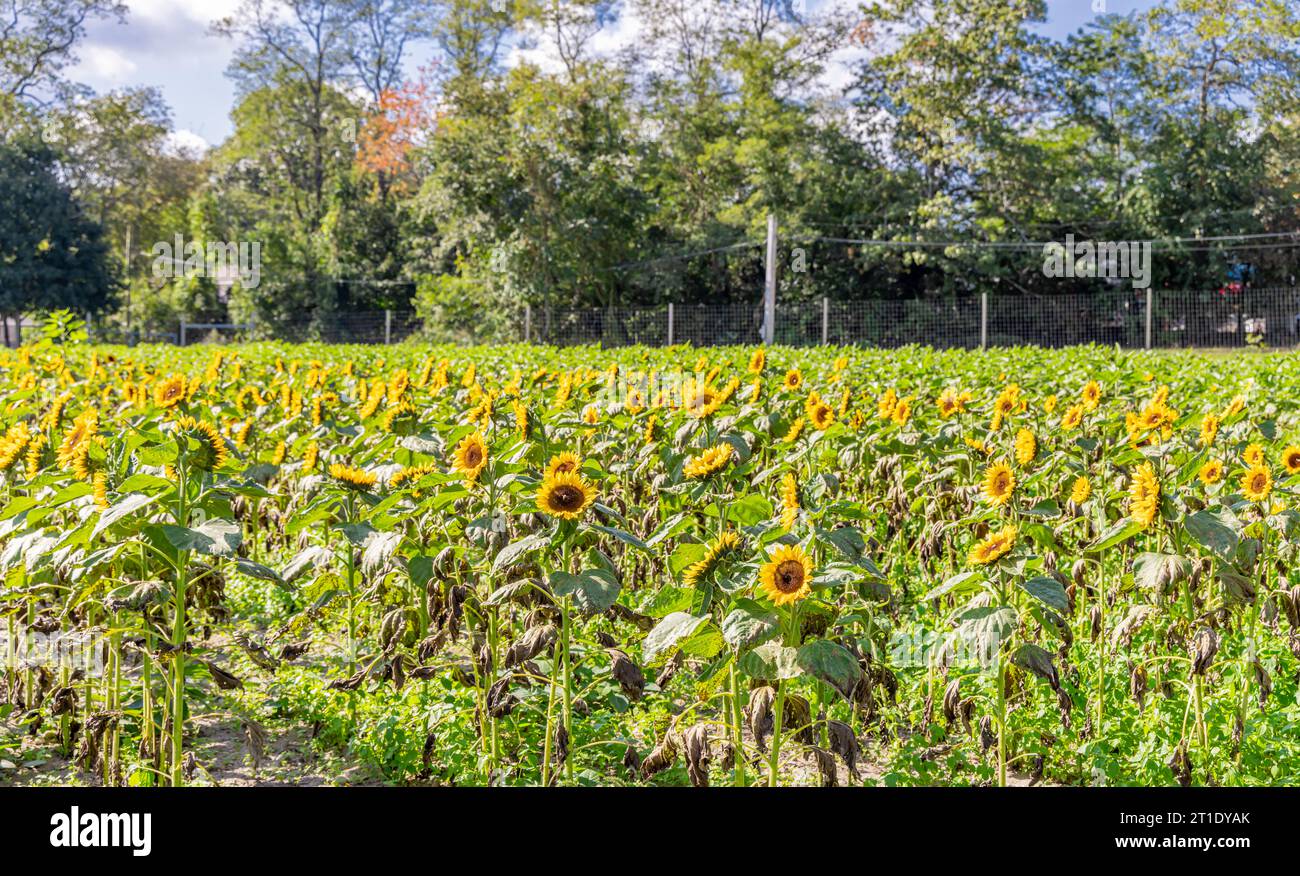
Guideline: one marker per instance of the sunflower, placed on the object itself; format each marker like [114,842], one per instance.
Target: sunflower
[310,456]
[726,544]
[1256,483]
[1211,472]
[1026,446]
[792,434]
[1049,404]
[886,403]
[1144,496]
[100,489]
[401,419]
[821,415]
[995,546]
[211,452]
[902,412]
[565,495]
[1072,417]
[13,444]
[1091,395]
[1291,459]
[170,392]
[793,379]
[784,577]
[1236,406]
[470,456]
[1080,491]
[353,478]
[758,361]
[1253,455]
[1209,429]
[562,463]
[83,427]
[710,461]
[950,402]
[789,500]
[999,483]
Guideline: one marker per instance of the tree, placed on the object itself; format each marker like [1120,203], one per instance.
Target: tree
[51,255]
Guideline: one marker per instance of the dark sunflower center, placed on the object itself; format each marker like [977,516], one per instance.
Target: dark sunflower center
[473,457]
[566,498]
[789,576]
[564,468]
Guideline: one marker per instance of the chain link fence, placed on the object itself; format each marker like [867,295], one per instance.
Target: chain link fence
[1211,318]
[1131,319]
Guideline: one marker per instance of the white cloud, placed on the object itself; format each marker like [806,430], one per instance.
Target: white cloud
[185,140]
[104,63]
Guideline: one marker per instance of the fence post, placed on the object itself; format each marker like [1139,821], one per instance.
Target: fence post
[826,320]
[182,331]
[984,320]
[528,323]
[670,323]
[769,285]
[388,327]
[1150,301]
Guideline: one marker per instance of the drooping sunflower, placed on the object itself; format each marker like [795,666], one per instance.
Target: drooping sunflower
[1211,472]
[1081,490]
[886,403]
[1209,429]
[1144,496]
[562,463]
[210,453]
[170,392]
[1026,447]
[353,478]
[470,456]
[565,495]
[994,547]
[792,434]
[999,483]
[310,456]
[793,379]
[1291,459]
[726,544]
[789,500]
[785,577]
[13,444]
[100,489]
[710,461]
[1256,483]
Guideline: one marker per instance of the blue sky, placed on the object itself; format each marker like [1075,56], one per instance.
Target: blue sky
[166,43]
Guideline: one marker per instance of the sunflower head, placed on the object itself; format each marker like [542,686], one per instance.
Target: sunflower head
[1211,472]
[999,483]
[562,463]
[757,361]
[1253,455]
[717,552]
[785,577]
[793,379]
[1144,496]
[1080,491]
[202,444]
[994,547]
[1256,483]
[565,495]
[821,415]
[1291,459]
[1026,446]
[470,456]
[170,392]
[352,478]
[710,461]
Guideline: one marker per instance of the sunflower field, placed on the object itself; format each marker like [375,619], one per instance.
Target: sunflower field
[531,566]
